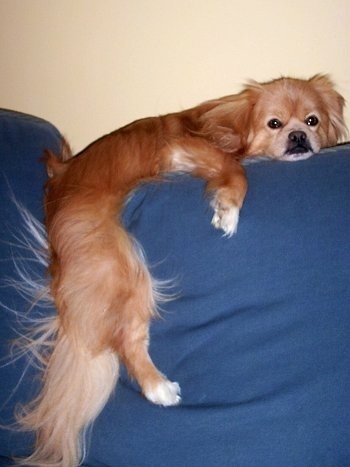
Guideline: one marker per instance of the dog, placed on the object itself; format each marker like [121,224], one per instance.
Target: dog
[101,286]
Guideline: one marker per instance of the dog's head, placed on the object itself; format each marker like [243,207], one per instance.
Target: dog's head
[287,118]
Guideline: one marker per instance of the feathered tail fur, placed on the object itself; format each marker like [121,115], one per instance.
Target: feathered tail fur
[76,384]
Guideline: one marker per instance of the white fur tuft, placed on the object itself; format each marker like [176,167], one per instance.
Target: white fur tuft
[226,217]
[165,393]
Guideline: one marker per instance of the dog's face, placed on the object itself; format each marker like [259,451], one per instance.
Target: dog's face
[293,119]
[287,119]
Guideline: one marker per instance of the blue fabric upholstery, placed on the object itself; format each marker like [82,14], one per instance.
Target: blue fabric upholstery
[258,337]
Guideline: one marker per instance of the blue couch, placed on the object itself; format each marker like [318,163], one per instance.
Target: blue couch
[258,338]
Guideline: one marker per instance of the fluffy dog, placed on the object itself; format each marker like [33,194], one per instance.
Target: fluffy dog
[103,291]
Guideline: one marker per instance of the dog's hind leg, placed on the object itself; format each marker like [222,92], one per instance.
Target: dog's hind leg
[131,335]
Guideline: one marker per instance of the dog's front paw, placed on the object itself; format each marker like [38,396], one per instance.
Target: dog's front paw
[165,393]
[225,216]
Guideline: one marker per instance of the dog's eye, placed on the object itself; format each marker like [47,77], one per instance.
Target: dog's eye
[312,120]
[274,123]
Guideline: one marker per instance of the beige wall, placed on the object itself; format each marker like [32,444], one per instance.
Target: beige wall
[90,66]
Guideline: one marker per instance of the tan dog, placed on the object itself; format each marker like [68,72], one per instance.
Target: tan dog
[103,291]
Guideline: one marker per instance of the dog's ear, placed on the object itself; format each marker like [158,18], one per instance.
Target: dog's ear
[334,104]
[227,122]
[55,165]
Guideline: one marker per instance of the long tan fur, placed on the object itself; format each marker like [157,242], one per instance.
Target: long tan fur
[103,291]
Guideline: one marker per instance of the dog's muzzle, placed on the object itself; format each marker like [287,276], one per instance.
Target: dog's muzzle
[298,146]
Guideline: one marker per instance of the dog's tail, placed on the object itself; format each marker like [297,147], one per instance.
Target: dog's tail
[76,383]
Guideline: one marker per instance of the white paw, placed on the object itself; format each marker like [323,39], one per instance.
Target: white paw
[165,393]
[225,217]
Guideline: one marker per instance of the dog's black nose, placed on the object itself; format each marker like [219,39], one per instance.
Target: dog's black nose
[297,137]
